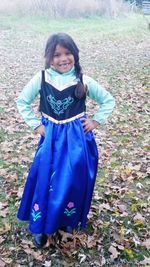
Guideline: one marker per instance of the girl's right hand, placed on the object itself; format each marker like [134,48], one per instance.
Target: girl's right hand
[40,130]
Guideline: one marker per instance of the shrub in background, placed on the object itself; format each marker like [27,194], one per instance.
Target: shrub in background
[65,8]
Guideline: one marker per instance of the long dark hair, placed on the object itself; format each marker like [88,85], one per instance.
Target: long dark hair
[66,41]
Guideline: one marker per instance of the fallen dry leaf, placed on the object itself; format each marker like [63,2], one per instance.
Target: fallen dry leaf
[47,264]
[138,217]
[145,262]
[122,208]
[36,255]
[4,212]
[6,227]
[146,243]
[114,252]
[1,239]
[82,257]
[2,263]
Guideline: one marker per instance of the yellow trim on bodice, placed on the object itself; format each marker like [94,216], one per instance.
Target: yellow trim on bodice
[63,121]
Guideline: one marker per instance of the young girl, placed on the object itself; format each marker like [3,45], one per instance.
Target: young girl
[59,187]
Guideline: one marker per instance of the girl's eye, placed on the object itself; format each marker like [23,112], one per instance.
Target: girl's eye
[56,55]
[68,53]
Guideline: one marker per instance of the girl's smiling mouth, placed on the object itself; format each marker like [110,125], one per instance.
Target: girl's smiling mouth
[64,64]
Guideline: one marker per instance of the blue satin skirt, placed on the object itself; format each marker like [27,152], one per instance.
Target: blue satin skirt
[60,183]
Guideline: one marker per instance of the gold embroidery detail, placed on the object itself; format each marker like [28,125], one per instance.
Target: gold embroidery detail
[63,121]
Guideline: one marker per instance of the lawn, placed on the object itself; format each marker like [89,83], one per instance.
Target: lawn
[116,53]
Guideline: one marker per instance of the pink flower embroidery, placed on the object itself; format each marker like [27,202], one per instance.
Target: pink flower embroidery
[70,205]
[36,207]
[71,210]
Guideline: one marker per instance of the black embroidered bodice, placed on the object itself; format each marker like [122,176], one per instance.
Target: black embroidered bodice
[60,105]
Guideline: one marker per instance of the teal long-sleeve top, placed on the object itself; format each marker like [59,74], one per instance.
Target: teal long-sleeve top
[61,81]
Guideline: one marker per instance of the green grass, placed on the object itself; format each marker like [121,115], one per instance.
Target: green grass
[109,28]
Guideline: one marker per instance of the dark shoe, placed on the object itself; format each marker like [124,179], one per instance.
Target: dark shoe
[67,229]
[40,240]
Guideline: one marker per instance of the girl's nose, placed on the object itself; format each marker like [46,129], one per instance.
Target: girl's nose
[63,57]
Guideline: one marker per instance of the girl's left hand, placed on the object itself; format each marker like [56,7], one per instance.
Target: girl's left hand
[89,125]
[40,130]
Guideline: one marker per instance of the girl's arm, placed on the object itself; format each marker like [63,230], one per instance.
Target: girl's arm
[25,99]
[99,94]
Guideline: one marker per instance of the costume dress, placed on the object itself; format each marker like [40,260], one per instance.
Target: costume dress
[60,183]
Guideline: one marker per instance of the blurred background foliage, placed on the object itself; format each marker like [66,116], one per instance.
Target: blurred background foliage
[69,8]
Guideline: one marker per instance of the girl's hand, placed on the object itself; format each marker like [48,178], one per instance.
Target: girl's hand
[89,125]
[40,130]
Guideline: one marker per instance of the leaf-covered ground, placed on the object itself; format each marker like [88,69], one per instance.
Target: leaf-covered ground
[116,53]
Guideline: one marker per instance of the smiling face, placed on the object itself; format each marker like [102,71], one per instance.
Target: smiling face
[63,60]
